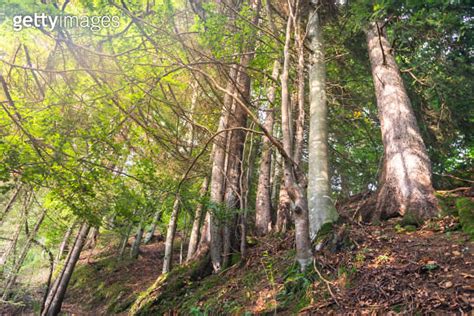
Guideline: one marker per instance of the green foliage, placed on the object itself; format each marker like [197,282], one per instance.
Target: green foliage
[295,294]
[466,215]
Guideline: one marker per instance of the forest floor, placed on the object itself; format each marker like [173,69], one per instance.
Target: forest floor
[388,268]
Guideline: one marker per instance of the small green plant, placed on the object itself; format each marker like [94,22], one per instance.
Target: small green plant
[296,286]
[382,259]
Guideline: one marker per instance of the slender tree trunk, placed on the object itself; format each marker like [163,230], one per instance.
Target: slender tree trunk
[135,250]
[263,205]
[91,239]
[10,202]
[50,273]
[299,123]
[65,242]
[12,246]
[295,190]
[124,241]
[321,208]
[14,272]
[194,237]
[247,175]
[405,186]
[58,291]
[151,232]
[170,233]
[275,181]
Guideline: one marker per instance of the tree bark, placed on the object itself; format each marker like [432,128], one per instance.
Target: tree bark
[321,208]
[295,189]
[58,290]
[151,232]
[238,118]
[135,250]
[263,205]
[124,241]
[217,184]
[170,233]
[64,242]
[194,237]
[405,186]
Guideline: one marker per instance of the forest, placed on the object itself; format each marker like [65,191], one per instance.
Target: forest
[236,157]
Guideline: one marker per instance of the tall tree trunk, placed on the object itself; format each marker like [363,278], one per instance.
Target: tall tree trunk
[213,236]
[299,122]
[295,189]
[194,237]
[247,175]
[321,208]
[58,290]
[235,152]
[170,233]
[405,186]
[263,205]
[237,137]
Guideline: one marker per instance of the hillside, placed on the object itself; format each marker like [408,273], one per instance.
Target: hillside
[373,268]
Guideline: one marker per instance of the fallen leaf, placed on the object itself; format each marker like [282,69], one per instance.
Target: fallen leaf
[447,285]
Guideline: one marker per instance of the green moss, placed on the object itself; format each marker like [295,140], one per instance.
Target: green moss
[169,288]
[410,228]
[447,205]
[466,215]
[324,232]
[410,219]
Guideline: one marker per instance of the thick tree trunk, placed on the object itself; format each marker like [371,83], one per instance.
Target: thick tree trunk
[194,237]
[321,208]
[217,184]
[235,152]
[283,210]
[237,138]
[170,233]
[58,290]
[263,205]
[405,186]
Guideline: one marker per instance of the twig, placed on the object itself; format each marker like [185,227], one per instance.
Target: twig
[328,283]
